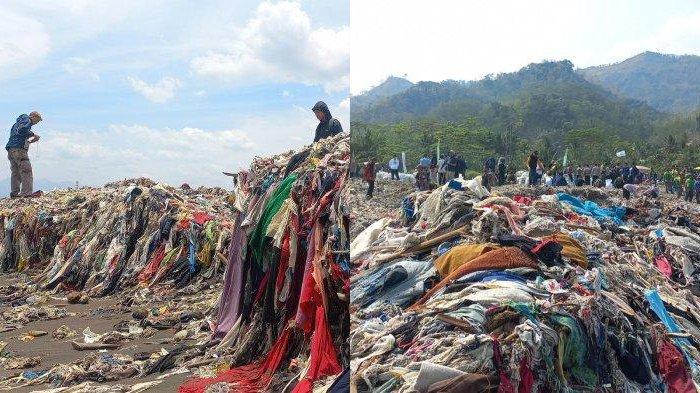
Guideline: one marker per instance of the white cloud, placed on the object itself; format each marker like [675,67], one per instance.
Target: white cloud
[81,67]
[159,92]
[279,44]
[174,156]
[24,43]
[200,93]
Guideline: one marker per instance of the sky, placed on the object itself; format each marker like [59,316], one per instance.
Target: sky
[467,40]
[174,90]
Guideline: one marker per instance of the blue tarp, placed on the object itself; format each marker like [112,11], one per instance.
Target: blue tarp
[590,208]
[657,306]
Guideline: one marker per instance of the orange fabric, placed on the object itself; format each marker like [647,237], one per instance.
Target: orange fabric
[459,255]
[571,250]
[502,258]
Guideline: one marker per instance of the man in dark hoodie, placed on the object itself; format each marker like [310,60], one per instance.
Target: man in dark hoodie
[21,136]
[327,125]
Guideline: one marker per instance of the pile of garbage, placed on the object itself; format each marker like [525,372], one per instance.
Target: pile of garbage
[282,318]
[128,233]
[535,291]
[387,194]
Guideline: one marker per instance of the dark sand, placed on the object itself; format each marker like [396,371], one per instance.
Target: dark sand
[54,352]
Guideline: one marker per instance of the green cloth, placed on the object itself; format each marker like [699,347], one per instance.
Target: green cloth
[574,350]
[689,183]
[668,176]
[272,206]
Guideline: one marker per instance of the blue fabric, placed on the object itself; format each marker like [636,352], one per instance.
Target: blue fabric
[490,275]
[657,306]
[455,185]
[425,162]
[192,249]
[399,283]
[20,132]
[590,208]
[408,208]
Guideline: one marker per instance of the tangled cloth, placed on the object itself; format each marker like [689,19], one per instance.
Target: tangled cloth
[459,255]
[499,259]
[571,249]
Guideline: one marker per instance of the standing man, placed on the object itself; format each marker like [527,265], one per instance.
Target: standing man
[327,125]
[532,168]
[394,167]
[368,175]
[21,136]
[689,188]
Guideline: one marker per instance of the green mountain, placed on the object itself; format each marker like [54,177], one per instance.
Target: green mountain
[542,98]
[392,85]
[667,82]
[547,106]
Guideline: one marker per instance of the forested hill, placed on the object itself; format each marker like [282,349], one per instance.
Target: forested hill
[542,98]
[392,85]
[667,82]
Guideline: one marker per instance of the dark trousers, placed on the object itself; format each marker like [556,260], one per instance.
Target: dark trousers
[370,188]
[532,178]
[697,196]
[689,195]
[441,177]
[394,174]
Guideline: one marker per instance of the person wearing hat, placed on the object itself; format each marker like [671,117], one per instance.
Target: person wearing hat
[327,125]
[21,136]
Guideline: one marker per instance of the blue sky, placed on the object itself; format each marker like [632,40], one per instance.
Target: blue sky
[456,39]
[174,90]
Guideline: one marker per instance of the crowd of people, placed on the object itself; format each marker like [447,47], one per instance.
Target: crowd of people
[633,179]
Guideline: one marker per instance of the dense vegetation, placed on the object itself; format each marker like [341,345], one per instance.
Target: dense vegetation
[547,106]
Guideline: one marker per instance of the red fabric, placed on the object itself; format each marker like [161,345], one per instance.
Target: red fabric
[505,386]
[544,243]
[664,265]
[525,200]
[252,377]
[323,359]
[152,267]
[184,224]
[309,291]
[261,288]
[201,218]
[527,379]
[284,262]
[673,368]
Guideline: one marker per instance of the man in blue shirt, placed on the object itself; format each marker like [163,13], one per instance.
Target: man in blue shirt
[21,136]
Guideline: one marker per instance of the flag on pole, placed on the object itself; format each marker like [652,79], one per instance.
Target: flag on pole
[403,160]
[566,157]
[438,150]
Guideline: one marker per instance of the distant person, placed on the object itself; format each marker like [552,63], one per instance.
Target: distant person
[394,167]
[327,125]
[17,147]
[596,171]
[501,169]
[368,175]
[697,189]
[461,167]
[442,170]
[532,163]
[689,188]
